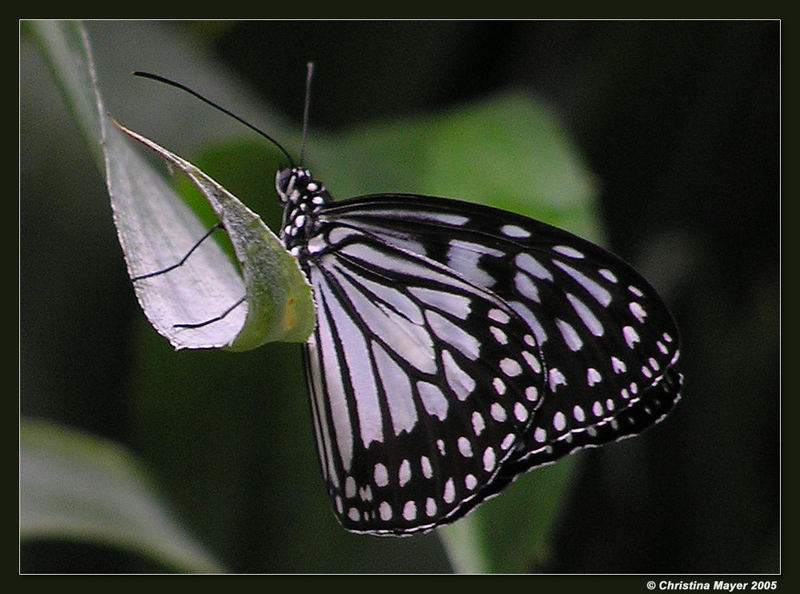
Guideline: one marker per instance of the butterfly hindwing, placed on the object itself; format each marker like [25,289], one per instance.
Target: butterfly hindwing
[414,414]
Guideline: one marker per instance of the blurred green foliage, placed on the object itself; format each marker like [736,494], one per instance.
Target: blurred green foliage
[679,122]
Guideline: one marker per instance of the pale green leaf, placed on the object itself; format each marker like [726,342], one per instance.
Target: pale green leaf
[157,229]
[278,302]
[73,485]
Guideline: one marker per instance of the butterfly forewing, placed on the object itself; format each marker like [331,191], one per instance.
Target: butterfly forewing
[414,414]
[608,343]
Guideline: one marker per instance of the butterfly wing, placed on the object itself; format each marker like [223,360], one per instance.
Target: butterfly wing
[414,414]
[609,345]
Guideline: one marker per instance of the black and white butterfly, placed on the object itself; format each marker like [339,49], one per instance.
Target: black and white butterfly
[457,346]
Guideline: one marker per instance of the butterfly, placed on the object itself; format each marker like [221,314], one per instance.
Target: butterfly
[457,346]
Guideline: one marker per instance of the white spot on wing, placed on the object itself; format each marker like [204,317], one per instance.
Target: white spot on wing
[510,367]
[404,473]
[385,510]
[499,386]
[478,424]
[427,469]
[457,305]
[381,475]
[602,296]
[410,511]
[430,507]
[470,482]
[556,378]
[365,493]
[608,275]
[585,314]
[461,383]
[630,335]
[526,287]
[350,487]
[529,264]
[466,343]
[520,412]
[465,447]
[489,459]
[449,491]
[532,362]
[638,311]
[635,291]
[514,231]
[499,335]
[571,338]
[434,402]
[568,251]
[499,316]
[498,412]
[618,365]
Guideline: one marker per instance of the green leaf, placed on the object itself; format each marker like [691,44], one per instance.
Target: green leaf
[156,230]
[279,304]
[77,486]
[65,46]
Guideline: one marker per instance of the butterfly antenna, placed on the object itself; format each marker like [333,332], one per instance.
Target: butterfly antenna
[306,104]
[182,87]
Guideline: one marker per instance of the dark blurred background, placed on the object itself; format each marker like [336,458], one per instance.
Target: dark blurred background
[679,122]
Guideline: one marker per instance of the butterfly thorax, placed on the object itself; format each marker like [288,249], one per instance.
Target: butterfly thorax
[301,197]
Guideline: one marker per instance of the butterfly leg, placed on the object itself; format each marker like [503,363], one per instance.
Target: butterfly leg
[182,260]
[214,319]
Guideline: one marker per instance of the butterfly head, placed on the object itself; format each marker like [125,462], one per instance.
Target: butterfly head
[297,186]
[301,197]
